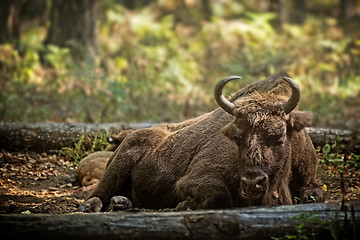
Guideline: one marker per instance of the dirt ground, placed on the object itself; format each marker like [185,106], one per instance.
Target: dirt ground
[44,183]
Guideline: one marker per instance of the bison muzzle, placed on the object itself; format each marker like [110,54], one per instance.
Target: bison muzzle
[253,150]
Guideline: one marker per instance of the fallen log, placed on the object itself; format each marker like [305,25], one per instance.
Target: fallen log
[348,140]
[320,221]
[43,137]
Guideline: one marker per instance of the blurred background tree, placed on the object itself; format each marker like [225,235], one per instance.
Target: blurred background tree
[9,20]
[73,25]
[158,60]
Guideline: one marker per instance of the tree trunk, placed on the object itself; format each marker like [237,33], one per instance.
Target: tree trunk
[299,11]
[131,4]
[43,137]
[206,7]
[10,21]
[323,221]
[73,24]
[347,8]
[283,11]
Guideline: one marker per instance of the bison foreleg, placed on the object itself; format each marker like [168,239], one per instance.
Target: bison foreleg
[312,194]
[303,184]
[202,194]
[93,204]
[118,203]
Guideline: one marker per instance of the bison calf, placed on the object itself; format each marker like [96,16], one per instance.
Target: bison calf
[91,168]
[253,150]
[115,140]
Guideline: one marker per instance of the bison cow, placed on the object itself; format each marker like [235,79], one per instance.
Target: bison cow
[253,150]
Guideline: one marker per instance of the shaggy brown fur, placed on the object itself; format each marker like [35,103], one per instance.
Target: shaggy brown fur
[263,157]
[91,169]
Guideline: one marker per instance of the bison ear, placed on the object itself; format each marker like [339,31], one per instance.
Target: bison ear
[300,119]
[112,140]
[232,132]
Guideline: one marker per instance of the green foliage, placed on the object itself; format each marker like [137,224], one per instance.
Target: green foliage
[99,142]
[75,152]
[311,226]
[57,57]
[85,146]
[161,61]
[305,229]
[331,153]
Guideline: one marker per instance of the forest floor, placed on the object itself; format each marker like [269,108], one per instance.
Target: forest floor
[44,183]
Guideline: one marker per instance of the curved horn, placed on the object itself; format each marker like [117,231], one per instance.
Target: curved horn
[295,96]
[219,97]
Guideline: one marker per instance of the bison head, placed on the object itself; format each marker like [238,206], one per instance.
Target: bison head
[116,139]
[262,129]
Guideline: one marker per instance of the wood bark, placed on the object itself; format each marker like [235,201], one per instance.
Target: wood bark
[44,137]
[326,221]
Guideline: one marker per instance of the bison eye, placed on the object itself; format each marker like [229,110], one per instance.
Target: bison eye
[275,140]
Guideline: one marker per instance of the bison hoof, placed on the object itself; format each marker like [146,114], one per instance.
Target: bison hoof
[312,195]
[183,206]
[93,204]
[118,203]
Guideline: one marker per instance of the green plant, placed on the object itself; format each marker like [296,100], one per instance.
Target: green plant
[59,58]
[311,199]
[76,152]
[83,148]
[332,154]
[100,141]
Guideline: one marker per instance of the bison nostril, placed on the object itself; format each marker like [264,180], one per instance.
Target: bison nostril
[254,182]
[260,181]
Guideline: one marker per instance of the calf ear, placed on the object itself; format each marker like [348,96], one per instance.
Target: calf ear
[112,140]
[300,119]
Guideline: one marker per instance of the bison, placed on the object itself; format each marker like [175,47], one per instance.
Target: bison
[116,139]
[91,168]
[251,151]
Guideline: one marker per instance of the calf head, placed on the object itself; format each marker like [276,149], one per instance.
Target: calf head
[116,139]
[262,129]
